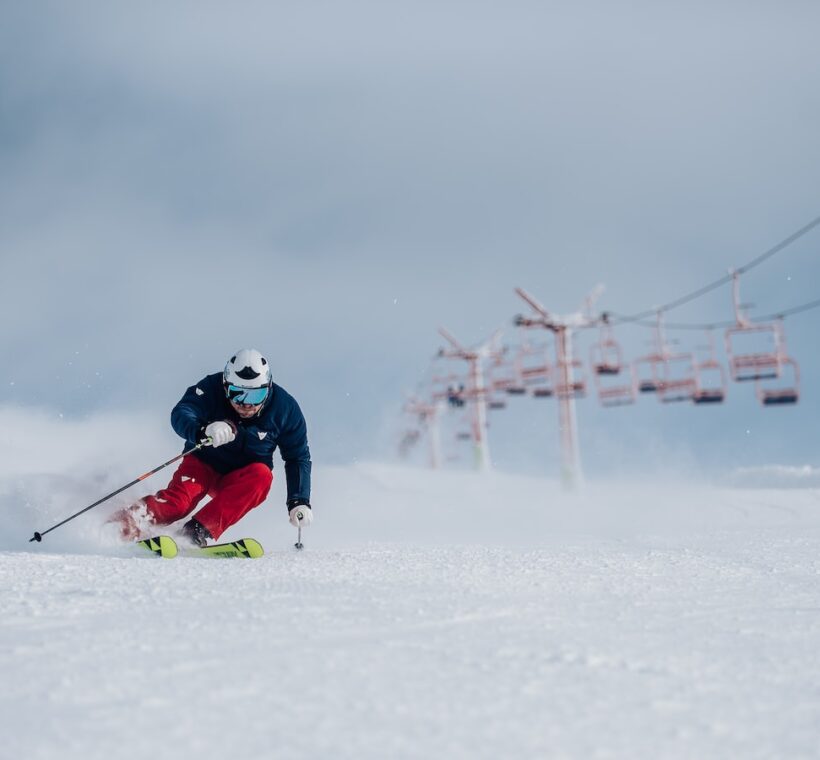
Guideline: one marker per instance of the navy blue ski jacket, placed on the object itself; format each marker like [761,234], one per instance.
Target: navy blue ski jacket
[280,423]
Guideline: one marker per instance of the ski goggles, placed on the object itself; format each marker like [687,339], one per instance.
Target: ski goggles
[247,396]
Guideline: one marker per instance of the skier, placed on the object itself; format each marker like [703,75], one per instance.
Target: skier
[245,416]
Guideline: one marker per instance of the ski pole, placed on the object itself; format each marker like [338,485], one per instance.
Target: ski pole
[299,544]
[39,536]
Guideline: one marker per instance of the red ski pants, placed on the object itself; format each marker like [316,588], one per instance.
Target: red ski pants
[233,495]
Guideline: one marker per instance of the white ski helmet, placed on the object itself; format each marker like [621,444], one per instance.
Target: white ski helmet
[247,377]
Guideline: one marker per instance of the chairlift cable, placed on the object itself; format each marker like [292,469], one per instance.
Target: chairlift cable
[721,325]
[723,280]
[793,310]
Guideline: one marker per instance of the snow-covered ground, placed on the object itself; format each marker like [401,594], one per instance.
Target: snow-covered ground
[432,615]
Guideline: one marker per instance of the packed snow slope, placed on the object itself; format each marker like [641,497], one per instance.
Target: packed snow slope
[431,615]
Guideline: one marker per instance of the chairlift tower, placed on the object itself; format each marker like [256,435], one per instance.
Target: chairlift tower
[475,392]
[428,415]
[567,387]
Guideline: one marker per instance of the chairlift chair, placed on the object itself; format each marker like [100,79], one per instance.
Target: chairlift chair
[541,386]
[442,385]
[758,364]
[786,393]
[671,376]
[710,378]
[605,356]
[515,386]
[510,381]
[449,388]
[711,392]
[648,380]
[677,378]
[534,376]
[754,365]
[502,384]
[616,394]
[504,378]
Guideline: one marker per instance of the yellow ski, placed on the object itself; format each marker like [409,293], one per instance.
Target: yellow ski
[162,546]
[244,548]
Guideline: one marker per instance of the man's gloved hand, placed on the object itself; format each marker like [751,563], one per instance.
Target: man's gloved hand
[220,433]
[300,515]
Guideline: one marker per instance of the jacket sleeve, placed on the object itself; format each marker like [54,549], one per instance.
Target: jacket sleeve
[190,414]
[293,446]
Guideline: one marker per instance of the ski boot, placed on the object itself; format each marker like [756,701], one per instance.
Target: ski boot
[196,533]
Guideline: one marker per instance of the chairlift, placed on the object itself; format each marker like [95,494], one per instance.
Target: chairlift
[709,393]
[449,388]
[648,380]
[755,351]
[542,386]
[757,364]
[670,376]
[510,380]
[442,386]
[534,375]
[785,393]
[504,377]
[710,379]
[605,356]
[616,394]
[677,379]
[463,426]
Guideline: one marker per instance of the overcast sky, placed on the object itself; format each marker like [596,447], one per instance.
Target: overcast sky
[328,182]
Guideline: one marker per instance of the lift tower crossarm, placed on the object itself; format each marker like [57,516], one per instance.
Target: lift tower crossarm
[542,312]
[548,321]
[459,351]
[476,392]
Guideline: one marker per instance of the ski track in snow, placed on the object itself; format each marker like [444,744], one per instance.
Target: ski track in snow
[431,616]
